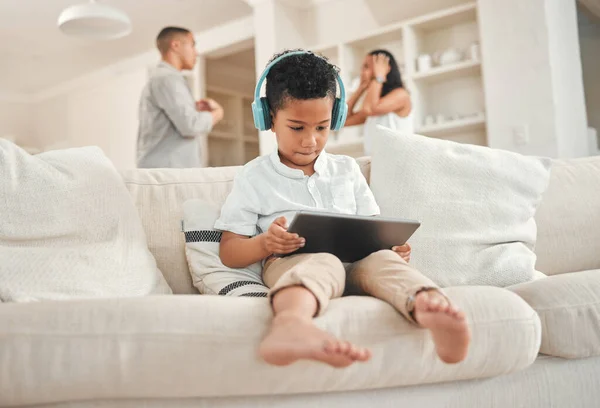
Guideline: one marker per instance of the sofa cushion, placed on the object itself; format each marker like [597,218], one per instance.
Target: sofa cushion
[476,206]
[568,218]
[189,346]
[68,229]
[569,310]
[209,275]
[159,195]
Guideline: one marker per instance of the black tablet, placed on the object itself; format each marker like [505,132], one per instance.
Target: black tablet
[349,237]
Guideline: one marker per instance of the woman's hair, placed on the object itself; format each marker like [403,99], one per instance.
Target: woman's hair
[301,76]
[393,79]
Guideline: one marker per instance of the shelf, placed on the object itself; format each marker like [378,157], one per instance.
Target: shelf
[384,35]
[451,71]
[219,134]
[454,126]
[446,18]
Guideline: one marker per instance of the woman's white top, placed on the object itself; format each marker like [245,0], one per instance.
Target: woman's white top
[390,120]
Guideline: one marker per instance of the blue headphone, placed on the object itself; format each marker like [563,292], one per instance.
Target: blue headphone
[262,112]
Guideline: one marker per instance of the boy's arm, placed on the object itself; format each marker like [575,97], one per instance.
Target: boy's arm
[238,251]
[238,220]
[239,247]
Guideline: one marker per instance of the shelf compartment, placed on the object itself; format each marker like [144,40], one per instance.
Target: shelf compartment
[451,71]
[452,127]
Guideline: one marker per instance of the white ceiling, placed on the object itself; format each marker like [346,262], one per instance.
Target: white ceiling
[36,56]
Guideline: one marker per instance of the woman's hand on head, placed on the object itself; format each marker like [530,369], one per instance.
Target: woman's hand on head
[381,65]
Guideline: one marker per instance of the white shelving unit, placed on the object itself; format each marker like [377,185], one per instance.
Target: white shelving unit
[452,127]
[449,72]
[451,92]
[234,140]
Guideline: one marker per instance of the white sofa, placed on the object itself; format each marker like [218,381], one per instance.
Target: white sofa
[187,350]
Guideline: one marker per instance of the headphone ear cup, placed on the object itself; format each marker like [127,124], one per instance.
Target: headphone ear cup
[266,113]
[257,115]
[342,113]
[338,114]
[334,114]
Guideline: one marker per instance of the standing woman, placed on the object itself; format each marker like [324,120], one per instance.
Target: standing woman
[386,102]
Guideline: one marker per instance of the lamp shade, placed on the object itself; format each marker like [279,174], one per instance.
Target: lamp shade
[94,21]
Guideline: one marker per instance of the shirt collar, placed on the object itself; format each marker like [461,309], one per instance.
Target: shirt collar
[166,65]
[320,165]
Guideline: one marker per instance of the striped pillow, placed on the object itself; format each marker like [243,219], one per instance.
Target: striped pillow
[209,275]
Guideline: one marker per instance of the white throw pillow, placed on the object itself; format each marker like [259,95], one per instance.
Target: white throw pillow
[209,274]
[476,206]
[69,229]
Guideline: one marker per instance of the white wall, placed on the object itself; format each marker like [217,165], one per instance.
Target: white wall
[567,79]
[16,120]
[525,77]
[102,113]
[589,40]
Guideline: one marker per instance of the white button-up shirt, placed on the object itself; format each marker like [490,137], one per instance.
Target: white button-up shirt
[266,189]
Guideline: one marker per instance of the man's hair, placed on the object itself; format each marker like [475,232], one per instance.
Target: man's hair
[301,76]
[166,35]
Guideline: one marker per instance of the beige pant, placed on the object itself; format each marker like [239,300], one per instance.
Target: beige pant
[383,274]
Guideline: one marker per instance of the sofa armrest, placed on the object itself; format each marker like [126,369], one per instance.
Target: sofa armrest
[569,310]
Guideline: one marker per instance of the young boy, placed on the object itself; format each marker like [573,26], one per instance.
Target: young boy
[300,175]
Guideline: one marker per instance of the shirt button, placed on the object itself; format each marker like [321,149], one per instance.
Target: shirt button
[311,183]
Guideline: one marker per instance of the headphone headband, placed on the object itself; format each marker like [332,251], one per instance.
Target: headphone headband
[260,106]
[263,76]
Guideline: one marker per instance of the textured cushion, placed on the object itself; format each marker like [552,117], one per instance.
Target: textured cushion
[476,206]
[209,275]
[159,195]
[69,229]
[186,346]
[569,309]
[569,218]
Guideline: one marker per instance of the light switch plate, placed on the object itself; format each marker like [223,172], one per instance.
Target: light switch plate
[521,135]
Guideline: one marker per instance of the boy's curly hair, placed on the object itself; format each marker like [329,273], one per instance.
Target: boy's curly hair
[302,76]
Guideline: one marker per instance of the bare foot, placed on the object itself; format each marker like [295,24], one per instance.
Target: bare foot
[293,338]
[448,325]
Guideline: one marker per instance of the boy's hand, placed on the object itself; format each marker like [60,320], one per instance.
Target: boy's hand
[403,251]
[278,241]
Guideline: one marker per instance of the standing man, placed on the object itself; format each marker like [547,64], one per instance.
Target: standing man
[171,122]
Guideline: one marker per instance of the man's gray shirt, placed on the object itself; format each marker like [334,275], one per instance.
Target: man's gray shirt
[170,127]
